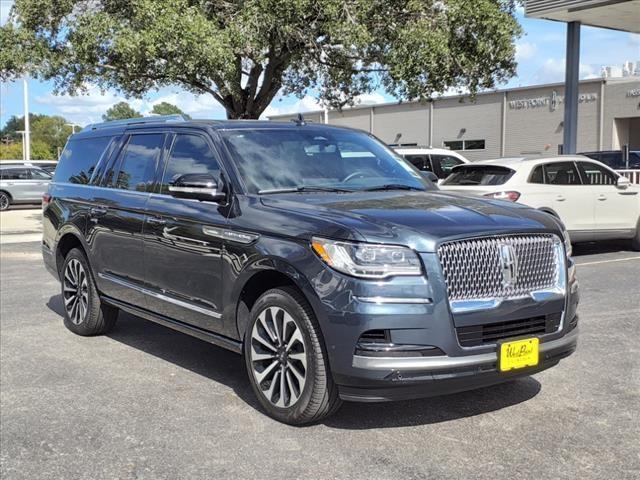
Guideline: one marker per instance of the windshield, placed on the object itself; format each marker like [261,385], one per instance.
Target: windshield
[306,158]
[478,175]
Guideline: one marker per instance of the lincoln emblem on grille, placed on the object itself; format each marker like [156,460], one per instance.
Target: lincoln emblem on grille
[509,264]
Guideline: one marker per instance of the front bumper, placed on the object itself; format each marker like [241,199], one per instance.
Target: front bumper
[417,377]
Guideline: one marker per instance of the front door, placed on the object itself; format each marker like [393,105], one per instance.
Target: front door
[615,208]
[183,241]
[116,218]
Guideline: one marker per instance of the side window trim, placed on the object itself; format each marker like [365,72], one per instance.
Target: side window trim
[166,156]
[115,166]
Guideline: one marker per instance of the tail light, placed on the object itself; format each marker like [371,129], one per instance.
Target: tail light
[46,199]
[508,195]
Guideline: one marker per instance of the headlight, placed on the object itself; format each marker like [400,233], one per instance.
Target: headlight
[367,260]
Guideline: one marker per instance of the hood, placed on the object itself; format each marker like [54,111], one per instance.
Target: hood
[420,220]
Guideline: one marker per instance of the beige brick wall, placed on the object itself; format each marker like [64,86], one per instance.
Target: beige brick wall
[480,119]
[533,126]
[619,103]
[410,119]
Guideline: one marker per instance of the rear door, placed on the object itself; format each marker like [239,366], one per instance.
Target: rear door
[615,208]
[17,182]
[558,186]
[184,239]
[117,217]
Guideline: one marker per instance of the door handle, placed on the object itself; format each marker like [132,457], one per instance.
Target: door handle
[98,211]
[156,221]
[560,198]
[602,197]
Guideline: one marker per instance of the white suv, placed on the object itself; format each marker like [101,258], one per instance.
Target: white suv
[436,160]
[593,201]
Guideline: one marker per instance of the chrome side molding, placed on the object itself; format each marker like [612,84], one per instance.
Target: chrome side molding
[231,235]
[160,296]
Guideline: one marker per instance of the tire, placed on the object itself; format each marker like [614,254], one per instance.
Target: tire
[284,312]
[84,312]
[635,241]
[5,201]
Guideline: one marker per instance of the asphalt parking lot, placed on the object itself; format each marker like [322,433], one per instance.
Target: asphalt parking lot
[146,402]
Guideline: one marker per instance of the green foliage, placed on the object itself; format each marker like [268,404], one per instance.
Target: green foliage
[166,108]
[244,53]
[120,111]
[39,151]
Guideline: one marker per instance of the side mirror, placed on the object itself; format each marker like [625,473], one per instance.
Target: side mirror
[430,176]
[196,186]
[623,182]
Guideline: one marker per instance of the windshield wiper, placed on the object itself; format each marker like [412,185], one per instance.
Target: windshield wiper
[308,188]
[392,186]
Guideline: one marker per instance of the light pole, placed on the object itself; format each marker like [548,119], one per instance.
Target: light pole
[73,127]
[26,151]
[22,134]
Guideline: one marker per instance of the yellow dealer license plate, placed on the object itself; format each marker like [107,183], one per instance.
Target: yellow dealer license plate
[519,354]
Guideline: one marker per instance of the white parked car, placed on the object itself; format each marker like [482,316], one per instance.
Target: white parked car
[593,201]
[440,161]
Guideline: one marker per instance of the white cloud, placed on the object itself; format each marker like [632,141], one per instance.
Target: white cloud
[89,108]
[525,51]
[304,104]
[552,71]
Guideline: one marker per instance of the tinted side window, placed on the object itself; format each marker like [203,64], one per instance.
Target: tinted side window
[138,163]
[561,173]
[596,175]
[446,163]
[421,162]
[79,159]
[537,176]
[190,154]
[14,174]
[38,174]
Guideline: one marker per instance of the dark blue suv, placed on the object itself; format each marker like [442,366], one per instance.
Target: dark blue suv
[330,263]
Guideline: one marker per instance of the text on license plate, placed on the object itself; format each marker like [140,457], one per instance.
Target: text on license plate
[519,354]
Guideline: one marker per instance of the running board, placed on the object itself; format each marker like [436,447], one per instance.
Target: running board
[219,340]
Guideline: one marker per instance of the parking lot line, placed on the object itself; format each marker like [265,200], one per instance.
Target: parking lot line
[626,259]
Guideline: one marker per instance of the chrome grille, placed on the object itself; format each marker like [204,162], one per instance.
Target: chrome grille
[474,269]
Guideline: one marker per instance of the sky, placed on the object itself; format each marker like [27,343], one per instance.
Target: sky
[540,54]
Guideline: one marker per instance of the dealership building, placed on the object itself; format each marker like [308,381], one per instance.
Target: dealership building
[510,122]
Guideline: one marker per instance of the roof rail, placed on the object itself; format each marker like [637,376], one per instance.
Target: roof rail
[137,121]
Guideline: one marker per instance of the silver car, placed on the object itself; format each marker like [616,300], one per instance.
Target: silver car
[22,184]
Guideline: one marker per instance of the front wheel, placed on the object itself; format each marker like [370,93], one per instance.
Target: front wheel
[286,361]
[84,312]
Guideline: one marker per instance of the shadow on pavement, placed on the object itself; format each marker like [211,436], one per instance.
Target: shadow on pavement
[594,248]
[228,368]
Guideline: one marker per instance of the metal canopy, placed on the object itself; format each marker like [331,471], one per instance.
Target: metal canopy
[615,14]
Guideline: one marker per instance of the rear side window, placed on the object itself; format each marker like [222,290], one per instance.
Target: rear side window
[537,176]
[479,175]
[421,162]
[561,173]
[138,164]
[14,174]
[444,164]
[79,160]
[190,154]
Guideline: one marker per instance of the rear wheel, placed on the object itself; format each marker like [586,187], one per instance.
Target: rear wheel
[286,361]
[5,201]
[84,312]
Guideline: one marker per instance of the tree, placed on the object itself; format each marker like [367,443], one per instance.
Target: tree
[120,111]
[48,135]
[244,53]
[166,108]
[39,151]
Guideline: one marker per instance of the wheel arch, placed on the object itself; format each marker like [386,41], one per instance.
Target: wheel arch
[69,238]
[264,275]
